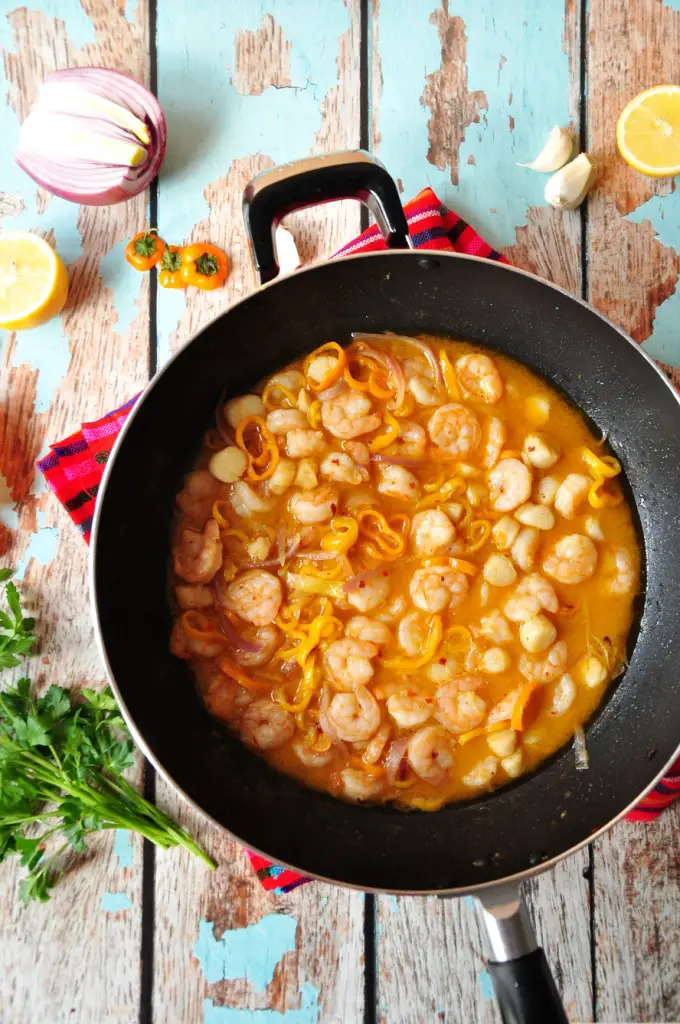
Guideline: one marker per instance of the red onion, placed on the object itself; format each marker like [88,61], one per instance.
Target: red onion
[397,460]
[238,642]
[106,110]
[281,543]
[389,363]
[395,756]
[335,390]
[354,582]
[429,355]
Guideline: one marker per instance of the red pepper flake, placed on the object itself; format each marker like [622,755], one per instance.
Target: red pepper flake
[385,572]
[442,661]
[333,507]
[362,583]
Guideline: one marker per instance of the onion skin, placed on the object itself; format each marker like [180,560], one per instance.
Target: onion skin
[102,184]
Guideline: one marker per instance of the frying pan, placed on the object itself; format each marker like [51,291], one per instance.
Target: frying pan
[485,846]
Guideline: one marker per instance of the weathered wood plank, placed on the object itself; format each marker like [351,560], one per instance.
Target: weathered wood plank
[90,359]
[634,263]
[488,62]
[285,79]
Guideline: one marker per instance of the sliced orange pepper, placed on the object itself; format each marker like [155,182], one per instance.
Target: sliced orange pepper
[268,456]
[449,375]
[385,439]
[199,627]
[370,769]
[434,638]
[388,543]
[268,396]
[334,374]
[378,384]
[483,730]
[521,704]
[234,671]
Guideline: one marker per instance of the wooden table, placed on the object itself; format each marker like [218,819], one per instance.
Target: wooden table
[450,96]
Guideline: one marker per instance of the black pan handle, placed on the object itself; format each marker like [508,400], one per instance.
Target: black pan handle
[354,174]
[518,967]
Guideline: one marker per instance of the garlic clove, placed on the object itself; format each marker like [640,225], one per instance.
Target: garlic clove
[555,153]
[567,188]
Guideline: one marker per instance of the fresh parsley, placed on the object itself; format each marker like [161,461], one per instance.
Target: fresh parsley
[61,765]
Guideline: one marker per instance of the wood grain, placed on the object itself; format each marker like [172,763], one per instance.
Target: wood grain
[54,948]
[325,965]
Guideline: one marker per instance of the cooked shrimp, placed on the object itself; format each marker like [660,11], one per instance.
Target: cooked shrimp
[495,441]
[432,531]
[572,560]
[409,709]
[179,645]
[398,482]
[509,485]
[495,627]
[266,725]
[412,633]
[342,469]
[370,593]
[392,611]
[200,491]
[312,758]
[349,415]
[620,572]
[225,698]
[348,662]
[314,506]
[477,374]
[411,441]
[455,430]
[544,670]
[255,596]
[198,556]
[280,421]
[438,587]
[420,382]
[502,711]
[533,594]
[301,444]
[358,451]
[459,707]
[362,628]
[570,494]
[358,786]
[354,716]
[375,747]
[267,638]
[246,502]
[429,754]
[194,597]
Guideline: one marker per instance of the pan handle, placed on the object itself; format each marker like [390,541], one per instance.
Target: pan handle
[353,174]
[518,967]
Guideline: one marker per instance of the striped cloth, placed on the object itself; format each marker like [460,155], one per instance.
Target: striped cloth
[74,467]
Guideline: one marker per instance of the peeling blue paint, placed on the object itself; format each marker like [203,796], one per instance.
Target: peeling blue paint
[251,953]
[486,985]
[392,903]
[122,848]
[494,194]
[470,902]
[112,902]
[307,1014]
[673,4]
[42,546]
[118,275]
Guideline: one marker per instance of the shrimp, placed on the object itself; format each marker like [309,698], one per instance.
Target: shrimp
[411,441]
[316,506]
[620,571]
[348,662]
[455,430]
[349,415]
[358,786]
[459,707]
[375,747]
[571,493]
[372,593]
[392,611]
[437,588]
[398,482]
[179,642]
[495,627]
[429,754]
[280,421]
[225,698]
[502,711]
[198,495]
[310,757]
[266,725]
[572,560]
[509,485]
[358,451]
[255,596]
[194,597]
[412,633]
[342,469]
[420,382]
[246,502]
[300,444]
[198,555]
[477,374]
[545,670]
[354,716]
[495,440]
[534,594]
[267,640]
[432,531]
[370,630]
[409,709]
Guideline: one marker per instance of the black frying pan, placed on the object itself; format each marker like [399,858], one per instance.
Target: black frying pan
[467,847]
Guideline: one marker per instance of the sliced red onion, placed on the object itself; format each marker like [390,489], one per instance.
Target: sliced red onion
[395,756]
[333,391]
[238,642]
[396,460]
[281,543]
[354,582]
[422,346]
[392,365]
[91,182]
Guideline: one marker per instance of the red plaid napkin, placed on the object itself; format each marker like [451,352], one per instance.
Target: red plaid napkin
[74,467]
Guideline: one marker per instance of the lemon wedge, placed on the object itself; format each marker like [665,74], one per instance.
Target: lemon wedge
[648,132]
[33,281]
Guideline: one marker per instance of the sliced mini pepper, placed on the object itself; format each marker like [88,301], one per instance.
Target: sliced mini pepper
[170,268]
[204,266]
[145,250]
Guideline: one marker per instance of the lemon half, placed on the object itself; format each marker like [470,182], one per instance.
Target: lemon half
[33,281]
[648,132]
